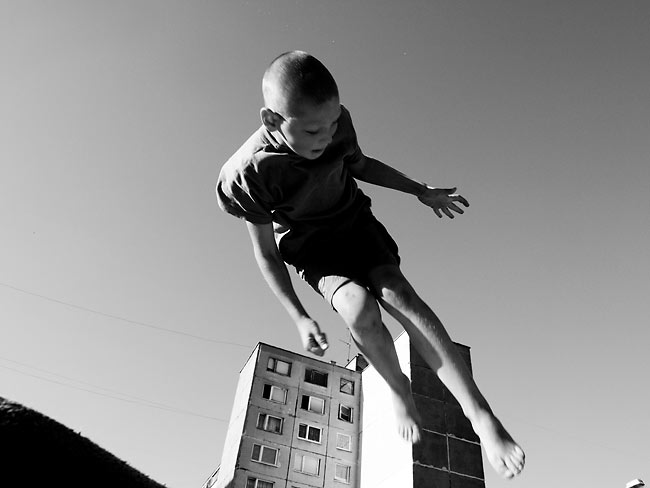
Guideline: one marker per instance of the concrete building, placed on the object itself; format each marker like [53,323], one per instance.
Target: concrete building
[449,455]
[295,423]
[298,422]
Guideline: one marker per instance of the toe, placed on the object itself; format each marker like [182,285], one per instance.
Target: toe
[416,435]
[519,454]
[518,459]
[502,468]
[511,466]
[516,462]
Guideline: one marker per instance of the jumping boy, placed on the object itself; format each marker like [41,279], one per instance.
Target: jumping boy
[293,182]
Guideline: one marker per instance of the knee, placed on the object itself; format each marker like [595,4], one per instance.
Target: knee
[393,288]
[359,309]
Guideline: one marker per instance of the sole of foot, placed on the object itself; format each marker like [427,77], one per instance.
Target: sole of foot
[504,454]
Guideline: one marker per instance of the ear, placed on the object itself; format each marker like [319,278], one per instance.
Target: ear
[270,119]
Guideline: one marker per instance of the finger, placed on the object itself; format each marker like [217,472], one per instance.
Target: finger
[322,341]
[437,212]
[449,191]
[314,347]
[455,208]
[317,351]
[446,211]
[459,198]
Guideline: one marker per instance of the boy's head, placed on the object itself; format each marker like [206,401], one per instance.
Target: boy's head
[301,103]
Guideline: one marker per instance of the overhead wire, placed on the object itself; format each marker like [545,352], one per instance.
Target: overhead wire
[113,394]
[124,397]
[123,319]
[575,438]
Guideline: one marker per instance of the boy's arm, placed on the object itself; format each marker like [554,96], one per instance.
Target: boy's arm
[441,200]
[277,276]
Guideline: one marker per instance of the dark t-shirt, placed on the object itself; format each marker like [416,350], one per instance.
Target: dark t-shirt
[265,182]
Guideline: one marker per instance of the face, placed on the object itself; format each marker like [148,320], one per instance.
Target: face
[309,131]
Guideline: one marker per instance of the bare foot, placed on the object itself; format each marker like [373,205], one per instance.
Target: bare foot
[504,454]
[406,413]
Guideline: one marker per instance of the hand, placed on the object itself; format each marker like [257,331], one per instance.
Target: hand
[313,340]
[441,200]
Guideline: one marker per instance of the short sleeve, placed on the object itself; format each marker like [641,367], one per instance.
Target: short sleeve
[242,197]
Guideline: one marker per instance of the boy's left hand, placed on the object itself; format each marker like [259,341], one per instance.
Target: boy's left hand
[442,201]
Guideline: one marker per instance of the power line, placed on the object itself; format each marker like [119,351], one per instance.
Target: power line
[123,319]
[68,378]
[132,399]
[573,437]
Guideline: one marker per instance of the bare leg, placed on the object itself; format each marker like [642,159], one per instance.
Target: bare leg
[432,341]
[361,313]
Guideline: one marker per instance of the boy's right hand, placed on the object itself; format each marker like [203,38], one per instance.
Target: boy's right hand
[313,340]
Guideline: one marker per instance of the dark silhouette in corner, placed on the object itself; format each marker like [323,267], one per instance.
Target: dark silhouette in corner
[37,451]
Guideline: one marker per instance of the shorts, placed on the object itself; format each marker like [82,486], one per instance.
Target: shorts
[338,259]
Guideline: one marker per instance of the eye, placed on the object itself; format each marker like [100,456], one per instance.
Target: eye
[312,132]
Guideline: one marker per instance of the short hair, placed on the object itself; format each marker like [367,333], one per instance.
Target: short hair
[296,77]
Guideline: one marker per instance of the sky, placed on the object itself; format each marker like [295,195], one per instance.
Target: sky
[129,302]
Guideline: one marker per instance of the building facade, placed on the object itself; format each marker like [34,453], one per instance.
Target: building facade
[295,423]
[298,422]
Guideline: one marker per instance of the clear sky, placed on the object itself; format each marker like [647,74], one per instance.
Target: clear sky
[129,301]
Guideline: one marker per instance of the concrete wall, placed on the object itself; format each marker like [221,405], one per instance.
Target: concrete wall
[232,445]
[386,459]
[449,455]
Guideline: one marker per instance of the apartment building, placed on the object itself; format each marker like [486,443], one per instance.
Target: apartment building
[295,424]
[298,422]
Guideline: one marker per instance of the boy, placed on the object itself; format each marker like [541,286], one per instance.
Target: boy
[293,182]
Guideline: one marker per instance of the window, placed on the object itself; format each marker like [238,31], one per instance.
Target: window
[255,483]
[269,423]
[306,464]
[347,386]
[316,377]
[275,393]
[343,442]
[278,366]
[345,413]
[313,404]
[342,473]
[309,433]
[265,454]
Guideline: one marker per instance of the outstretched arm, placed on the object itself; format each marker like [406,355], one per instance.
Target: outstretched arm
[276,275]
[441,200]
